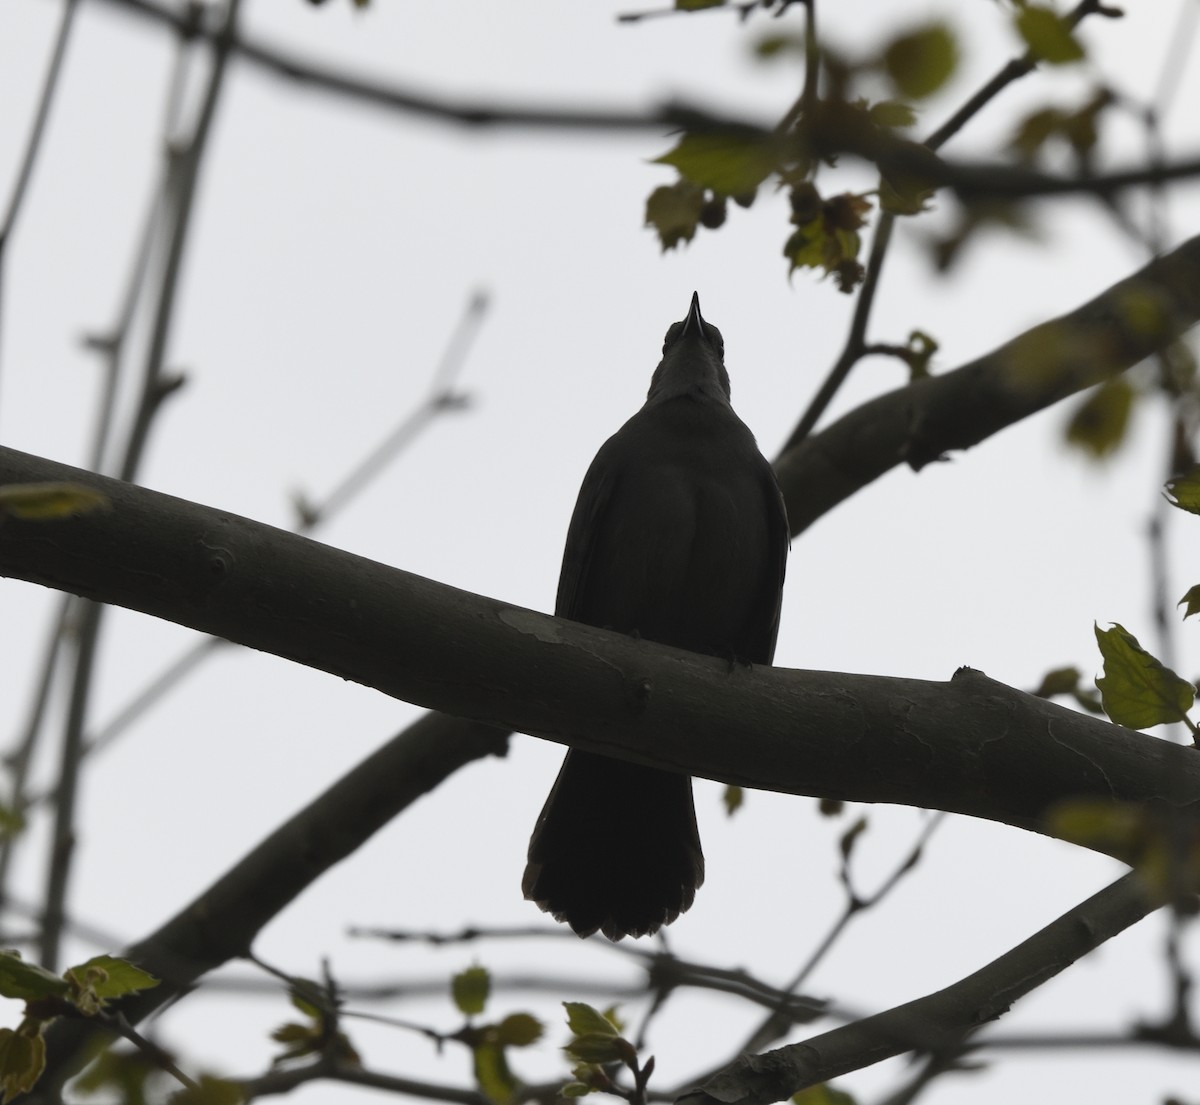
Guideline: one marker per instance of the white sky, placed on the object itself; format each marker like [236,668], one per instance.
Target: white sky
[333,250]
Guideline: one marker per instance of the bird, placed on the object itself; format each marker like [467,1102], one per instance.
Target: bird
[679,536]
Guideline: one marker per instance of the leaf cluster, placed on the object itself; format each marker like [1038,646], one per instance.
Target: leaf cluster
[914,64]
[84,990]
[490,1042]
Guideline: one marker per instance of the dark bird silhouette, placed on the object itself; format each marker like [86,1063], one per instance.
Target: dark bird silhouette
[679,536]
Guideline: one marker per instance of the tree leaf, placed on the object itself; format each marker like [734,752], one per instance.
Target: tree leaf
[110,977]
[519,1030]
[1047,35]
[43,501]
[822,1094]
[1192,598]
[27,981]
[892,113]
[582,1019]
[1059,681]
[1137,690]
[595,1047]
[921,61]
[1099,423]
[22,1060]
[697,5]
[1184,491]
[470,990]
[733,797]
[492,1074]
[674,211]
[731,164]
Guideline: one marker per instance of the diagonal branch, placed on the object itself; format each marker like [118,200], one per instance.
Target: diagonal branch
[969,745]
[919,423]
[938,1023]
[222,923]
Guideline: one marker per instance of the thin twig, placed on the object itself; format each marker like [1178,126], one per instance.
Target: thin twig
[855,345]
[37,131]
[181,184]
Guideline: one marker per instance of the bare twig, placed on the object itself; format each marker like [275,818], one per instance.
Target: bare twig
[181,186]
[854,346]
[37,130]
[940,1023]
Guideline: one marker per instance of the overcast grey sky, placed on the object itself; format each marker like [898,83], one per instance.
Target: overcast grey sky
[333,251]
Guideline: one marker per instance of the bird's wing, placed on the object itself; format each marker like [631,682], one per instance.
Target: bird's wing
[779,540]
[595,497]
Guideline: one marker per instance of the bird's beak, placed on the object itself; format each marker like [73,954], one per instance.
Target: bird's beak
[693,325]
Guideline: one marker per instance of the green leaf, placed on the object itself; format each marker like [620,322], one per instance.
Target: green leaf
[575,1089]
[733,797]
[697,5]
[42,501]
[892,113]
[470,990]
[492,1074]
[1059,681]
[731,164]
[921,61]
[22,1060]
[1184,491]
[27,981]
[674,211]
[1137,690]
[822,1094]
[519,1030]
[1192,598]
[1047,35]
[595,1047]
[1099,423]
[583,1020]
[109,977]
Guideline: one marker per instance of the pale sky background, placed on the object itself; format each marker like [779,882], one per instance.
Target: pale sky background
[333,250]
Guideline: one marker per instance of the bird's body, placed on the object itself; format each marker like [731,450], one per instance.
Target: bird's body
[679,536]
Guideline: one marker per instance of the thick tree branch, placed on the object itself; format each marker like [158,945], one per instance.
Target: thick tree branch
[968,746]
[919,423]
[939,1022]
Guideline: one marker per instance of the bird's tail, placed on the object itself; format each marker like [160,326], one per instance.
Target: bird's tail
[616,848]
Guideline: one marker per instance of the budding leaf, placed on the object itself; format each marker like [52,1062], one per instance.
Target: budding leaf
[583,1020]
[1047,35]
[921,61]
[470,989]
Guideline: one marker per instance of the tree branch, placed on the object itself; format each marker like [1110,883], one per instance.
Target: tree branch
[924,420]
[968,746]
[937,1023]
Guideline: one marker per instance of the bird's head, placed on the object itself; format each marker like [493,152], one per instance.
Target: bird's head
[693,361]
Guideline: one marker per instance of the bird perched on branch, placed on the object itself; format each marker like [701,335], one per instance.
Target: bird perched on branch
[679,536]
